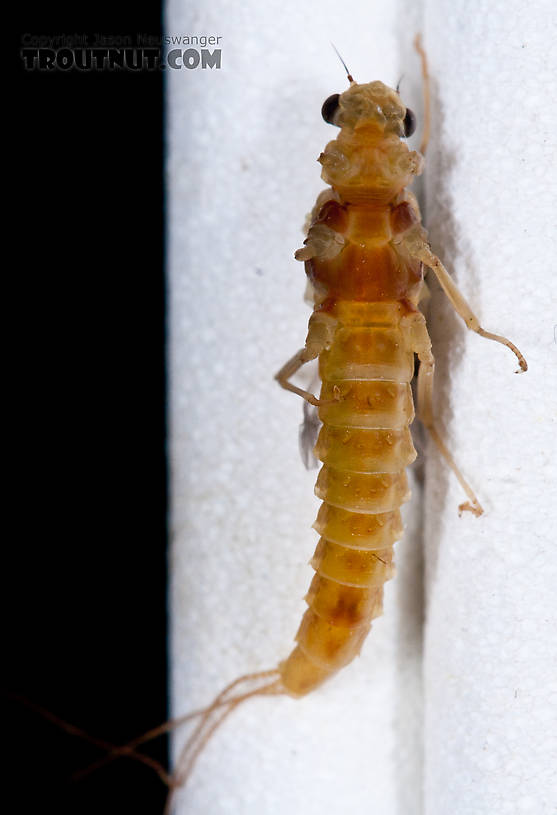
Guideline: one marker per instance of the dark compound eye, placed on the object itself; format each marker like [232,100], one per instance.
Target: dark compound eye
[409,123]
[330,107]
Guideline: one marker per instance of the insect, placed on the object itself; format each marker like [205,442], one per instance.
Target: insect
[364,255]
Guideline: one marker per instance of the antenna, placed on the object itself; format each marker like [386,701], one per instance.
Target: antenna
[350,78]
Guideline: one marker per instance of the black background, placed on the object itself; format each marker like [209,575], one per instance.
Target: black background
[85,563]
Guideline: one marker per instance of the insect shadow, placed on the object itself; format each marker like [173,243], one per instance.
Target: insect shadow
[411,599]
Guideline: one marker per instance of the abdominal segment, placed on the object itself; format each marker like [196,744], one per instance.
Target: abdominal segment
[365,446]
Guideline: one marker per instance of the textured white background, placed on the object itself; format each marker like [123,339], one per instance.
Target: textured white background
[241,175]
[491,584]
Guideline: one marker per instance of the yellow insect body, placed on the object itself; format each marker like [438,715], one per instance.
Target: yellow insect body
[364,445]
[366,310]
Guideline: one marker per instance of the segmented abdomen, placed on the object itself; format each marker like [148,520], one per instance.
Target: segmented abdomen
[365,445]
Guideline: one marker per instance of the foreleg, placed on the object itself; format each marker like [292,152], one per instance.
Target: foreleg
[426,94]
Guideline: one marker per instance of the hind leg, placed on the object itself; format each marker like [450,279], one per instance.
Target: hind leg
[321,330]
[418,339]
[425,414]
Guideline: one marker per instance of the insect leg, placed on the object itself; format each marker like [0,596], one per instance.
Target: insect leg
[320,336]
[419,248]
[425,415]
[419,341]
[289,369]
[426,93]
[307,436]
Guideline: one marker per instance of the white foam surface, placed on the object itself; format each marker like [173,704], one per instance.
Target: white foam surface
[491,647]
